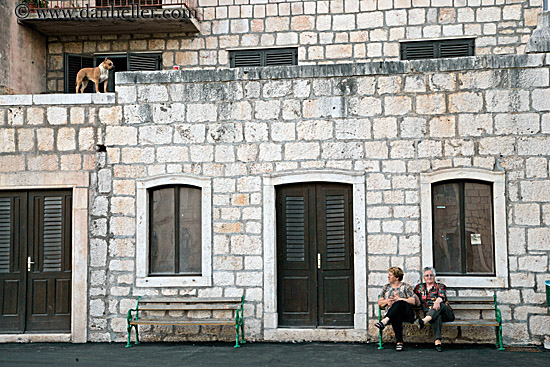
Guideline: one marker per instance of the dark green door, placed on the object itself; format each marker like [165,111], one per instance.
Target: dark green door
[35,261]
[315,255]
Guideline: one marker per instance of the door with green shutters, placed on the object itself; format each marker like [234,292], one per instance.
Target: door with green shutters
[35,261]
[315,255]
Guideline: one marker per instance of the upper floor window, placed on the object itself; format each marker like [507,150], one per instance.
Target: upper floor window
[436,49]
[463,241]
[175,230]
[263,57]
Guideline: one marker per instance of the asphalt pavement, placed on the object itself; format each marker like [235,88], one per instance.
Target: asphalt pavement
[265,354]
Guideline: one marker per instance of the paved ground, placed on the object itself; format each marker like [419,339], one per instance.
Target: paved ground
[264,354]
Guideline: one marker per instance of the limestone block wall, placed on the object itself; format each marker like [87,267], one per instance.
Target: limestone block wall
[325,32]
[390,122]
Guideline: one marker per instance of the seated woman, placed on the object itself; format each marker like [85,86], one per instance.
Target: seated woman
[433,297]
[399,298]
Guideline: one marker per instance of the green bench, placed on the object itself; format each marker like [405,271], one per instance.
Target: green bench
[459,304]
[160,311]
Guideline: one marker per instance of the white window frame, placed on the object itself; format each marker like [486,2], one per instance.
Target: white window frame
[497,179]
[142,235]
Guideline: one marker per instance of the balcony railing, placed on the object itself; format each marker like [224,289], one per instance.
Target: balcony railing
[89,17]
[94,4]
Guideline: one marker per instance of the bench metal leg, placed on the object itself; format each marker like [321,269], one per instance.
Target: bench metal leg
[380,331]
[137,335]
[129,328]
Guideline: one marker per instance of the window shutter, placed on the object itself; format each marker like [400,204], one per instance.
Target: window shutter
[456,48]
[72,65]
[277,57]
[437,49]
[144,62]
[336,227]
[52,232]
[245,59]
[295,228]
[267,57]
[5,234]
[417,50]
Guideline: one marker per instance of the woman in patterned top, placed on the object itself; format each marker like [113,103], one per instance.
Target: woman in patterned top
[399,297]
[433,297]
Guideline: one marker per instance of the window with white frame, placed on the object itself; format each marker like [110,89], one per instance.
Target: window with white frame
[461,212]
[173,232]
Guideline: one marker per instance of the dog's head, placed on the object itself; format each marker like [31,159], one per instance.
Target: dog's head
[108,64]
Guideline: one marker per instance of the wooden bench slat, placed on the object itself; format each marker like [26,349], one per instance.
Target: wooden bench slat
[472,323]
[473,306]
[186,307]
[183,322]
[453,300]
[191,300]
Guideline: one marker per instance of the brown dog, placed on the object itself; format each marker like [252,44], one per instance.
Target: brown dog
[97,75]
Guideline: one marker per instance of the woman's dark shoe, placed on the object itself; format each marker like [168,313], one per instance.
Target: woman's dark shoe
[399,347]
[380,325]
[420,323]
[438,348]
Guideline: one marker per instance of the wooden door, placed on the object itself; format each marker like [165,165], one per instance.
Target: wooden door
[315,255]
[35,261]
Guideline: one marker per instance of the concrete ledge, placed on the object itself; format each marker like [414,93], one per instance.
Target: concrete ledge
[35,338]
[57,99]
[16,100]
[334,70]
[331,335]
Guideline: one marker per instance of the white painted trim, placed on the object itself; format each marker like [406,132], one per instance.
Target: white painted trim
[500,280]
[142,248]
[79,183]
[357,180]
[35,338]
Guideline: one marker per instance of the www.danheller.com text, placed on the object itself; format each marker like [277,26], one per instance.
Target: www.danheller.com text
[132,11]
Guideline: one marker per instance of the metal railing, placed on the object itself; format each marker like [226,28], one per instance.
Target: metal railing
[80,4]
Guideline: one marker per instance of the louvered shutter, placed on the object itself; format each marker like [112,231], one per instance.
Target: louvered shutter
[13,224]
[296,254]
[417,50]
[456,48]
[277,57]
[245,59]
[437,49]
[5,234]
[334,228]
[72,65]
[144,62]
[264,57]
[52,233]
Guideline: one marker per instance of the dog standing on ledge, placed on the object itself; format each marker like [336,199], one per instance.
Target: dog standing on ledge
[97,75]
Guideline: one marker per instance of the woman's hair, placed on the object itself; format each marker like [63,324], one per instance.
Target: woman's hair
[429,268]
[397,272]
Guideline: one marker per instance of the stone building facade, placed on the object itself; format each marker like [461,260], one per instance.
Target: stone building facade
[351,113]
[325,32]
[386,129]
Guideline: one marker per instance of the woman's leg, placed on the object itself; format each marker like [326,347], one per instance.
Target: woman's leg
[396,315]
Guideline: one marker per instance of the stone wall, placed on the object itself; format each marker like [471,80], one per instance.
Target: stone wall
[325,32]
[391,122]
